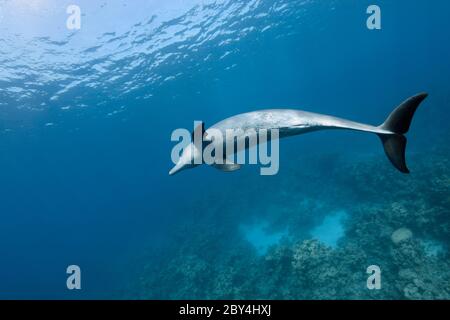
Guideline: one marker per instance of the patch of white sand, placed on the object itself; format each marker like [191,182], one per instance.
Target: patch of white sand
[331,229]
[260,238]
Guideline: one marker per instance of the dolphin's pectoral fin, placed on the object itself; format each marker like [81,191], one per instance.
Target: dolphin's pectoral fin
[227,166]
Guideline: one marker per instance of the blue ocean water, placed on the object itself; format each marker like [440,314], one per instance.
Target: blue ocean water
[86,118]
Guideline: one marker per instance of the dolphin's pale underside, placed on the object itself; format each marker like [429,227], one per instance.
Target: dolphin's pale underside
[294,122]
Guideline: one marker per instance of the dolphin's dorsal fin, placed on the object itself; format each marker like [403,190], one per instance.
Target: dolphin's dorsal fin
[203,135]
[227,166]
[201,127]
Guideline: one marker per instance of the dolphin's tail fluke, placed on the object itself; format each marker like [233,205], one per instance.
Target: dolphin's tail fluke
[398,123]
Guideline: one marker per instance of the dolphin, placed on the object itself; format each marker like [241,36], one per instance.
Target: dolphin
[292,122]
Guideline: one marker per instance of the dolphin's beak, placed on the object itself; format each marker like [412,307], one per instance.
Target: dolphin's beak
[178,167]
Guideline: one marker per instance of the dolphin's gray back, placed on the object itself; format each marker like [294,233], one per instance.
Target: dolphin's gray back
[291,122]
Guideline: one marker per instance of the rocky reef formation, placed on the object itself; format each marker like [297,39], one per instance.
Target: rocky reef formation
[391,216]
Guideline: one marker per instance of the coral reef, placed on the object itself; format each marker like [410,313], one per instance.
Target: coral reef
[389,213]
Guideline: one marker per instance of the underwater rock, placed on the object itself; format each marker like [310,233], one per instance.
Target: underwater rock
[401,234]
